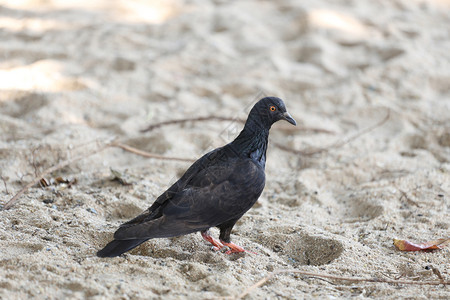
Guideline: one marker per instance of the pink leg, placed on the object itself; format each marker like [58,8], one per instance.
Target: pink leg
[235,248]
[217,245]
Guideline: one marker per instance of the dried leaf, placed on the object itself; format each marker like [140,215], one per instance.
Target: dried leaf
[404,245]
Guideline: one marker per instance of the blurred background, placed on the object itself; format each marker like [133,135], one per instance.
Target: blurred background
[76,73]
[83,70]
[117,65]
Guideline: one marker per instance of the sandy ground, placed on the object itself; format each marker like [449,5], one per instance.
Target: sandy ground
[76,74]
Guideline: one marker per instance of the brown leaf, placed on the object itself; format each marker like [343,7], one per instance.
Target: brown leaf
[404,245]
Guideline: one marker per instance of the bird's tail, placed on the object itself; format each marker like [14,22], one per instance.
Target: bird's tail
[117,247]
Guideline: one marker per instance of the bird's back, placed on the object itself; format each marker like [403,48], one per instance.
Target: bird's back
[219,191]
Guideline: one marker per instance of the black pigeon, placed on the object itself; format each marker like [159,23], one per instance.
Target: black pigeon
[215,191]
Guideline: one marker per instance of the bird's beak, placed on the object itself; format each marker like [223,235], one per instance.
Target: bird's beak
[287,117]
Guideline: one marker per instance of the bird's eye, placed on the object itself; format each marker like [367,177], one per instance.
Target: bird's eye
[272,108]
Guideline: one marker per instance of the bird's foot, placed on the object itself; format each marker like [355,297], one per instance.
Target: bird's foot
[217,245]
[235,248]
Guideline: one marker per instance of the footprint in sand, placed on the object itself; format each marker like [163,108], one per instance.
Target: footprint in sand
[360,207]
[299,248]
[15,249]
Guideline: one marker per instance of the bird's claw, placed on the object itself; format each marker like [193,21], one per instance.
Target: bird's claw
[233,251]
[235,248]
[219,245]
[216,245]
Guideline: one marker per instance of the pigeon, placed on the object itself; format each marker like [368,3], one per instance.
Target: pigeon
[215,191]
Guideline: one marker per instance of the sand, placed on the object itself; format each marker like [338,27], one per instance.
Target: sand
[77,74]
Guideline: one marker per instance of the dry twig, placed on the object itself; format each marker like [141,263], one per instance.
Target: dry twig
[437,273]
[335,277]
[181,121]
[338,144]
[217,118]
[281,146]
[147,154]
[6,186]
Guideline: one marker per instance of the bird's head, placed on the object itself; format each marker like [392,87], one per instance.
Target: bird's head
[269,110]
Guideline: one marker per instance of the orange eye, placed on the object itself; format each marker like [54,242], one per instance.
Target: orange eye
[272,108]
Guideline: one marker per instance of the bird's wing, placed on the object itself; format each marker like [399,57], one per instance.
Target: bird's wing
[154,211]
[215,195]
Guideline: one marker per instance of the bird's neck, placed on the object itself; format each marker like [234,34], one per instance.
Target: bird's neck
[252,142]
